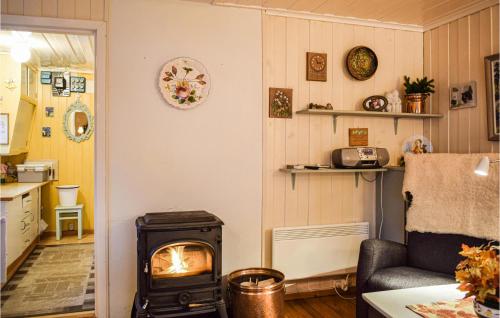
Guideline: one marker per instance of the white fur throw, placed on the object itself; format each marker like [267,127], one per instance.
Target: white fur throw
[448,197]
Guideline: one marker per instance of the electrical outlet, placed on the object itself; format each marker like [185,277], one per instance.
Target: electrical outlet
[72,226]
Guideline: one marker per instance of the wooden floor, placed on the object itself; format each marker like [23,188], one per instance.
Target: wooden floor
[50,239]
[319,307]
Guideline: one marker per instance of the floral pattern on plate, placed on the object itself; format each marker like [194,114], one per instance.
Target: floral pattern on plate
[184,83]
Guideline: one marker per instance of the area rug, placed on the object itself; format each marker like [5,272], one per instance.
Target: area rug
[462,308]
[53,280]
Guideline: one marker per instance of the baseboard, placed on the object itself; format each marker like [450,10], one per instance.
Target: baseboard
[74,232]
[14,266]
[321,293]
[318,286]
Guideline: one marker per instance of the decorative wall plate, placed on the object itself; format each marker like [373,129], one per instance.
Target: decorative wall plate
[184,83]
[362,62]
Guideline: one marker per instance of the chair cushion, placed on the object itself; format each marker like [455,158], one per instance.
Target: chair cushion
[438,252]
[405,277]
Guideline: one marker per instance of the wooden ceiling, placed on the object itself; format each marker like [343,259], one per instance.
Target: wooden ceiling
[55,49]
[414,12]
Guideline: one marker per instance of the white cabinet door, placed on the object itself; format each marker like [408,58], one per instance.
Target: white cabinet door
[15,229]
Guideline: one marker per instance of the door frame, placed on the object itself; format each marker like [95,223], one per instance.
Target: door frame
[101,215]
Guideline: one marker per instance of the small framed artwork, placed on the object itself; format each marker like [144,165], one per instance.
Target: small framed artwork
[316,67]
[463,96]
[4,129]
[358,137]
[46,132]
[280,102]
[492,65]
[49,111]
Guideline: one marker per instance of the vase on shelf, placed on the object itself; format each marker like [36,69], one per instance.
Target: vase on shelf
[487,309]
[415,103]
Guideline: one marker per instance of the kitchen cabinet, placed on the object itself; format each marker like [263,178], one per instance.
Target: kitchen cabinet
[21,215]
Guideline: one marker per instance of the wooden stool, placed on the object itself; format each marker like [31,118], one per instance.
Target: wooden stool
[68,213]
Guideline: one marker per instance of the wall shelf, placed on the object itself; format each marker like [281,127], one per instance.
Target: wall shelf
[395,116]
[294,172]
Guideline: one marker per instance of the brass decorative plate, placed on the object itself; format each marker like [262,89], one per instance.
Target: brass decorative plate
[362,63]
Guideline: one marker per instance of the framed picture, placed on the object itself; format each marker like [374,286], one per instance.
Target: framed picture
[492,71]
[46,132]
[463,95]
[358,137]
[280,102]
[49,111]
[4,129]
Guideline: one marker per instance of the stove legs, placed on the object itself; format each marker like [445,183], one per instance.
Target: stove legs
[221,308]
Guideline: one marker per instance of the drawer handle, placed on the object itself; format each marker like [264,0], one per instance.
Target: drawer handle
[24,225]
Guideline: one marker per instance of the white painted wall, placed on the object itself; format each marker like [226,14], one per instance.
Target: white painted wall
[164,159]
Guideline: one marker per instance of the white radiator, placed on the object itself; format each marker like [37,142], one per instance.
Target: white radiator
[316,250]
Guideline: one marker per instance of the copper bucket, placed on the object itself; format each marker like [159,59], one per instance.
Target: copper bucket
[257,301]
[415,103]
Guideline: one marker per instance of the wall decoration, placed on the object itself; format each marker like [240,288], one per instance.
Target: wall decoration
[60,84]
[417,144]
[78,122]
[4,129]
[10,84]
[49,111]
[362,63]
[46,77]
[184,83]
[492,65]
[375,103]
[316,67]
[328,106]
[280,102]
[46,132]
[394,102]
[463,96]
[358,137]
[77,84]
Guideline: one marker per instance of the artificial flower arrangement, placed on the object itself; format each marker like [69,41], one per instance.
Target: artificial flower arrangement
[478,274]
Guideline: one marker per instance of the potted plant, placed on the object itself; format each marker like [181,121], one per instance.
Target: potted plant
[416,93]
[478,276]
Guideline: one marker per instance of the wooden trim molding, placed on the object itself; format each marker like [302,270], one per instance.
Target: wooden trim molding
[459,13]
[344,20]
[326,17]
[101,216]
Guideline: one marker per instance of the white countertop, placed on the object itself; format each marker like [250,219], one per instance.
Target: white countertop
[392,303]
[8,191]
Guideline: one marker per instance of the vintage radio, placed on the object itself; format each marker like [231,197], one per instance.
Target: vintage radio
[361,157]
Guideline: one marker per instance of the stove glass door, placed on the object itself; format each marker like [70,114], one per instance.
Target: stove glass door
[182,259]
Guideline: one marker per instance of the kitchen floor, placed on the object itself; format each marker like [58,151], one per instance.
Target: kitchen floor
[57,278]
[50,239]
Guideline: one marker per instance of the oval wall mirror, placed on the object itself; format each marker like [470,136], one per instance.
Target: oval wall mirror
[78,122]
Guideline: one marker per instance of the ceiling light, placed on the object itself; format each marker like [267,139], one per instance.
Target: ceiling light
[20,52]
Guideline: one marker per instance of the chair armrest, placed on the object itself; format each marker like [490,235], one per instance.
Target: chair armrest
[377,254]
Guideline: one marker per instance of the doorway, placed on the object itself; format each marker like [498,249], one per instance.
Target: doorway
[66,139]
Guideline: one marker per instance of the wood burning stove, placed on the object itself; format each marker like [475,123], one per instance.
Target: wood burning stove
[178,265]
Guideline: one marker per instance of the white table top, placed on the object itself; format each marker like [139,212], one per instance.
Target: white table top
[392,303]
[8,191]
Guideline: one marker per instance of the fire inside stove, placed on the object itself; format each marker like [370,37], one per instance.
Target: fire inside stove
[182,259]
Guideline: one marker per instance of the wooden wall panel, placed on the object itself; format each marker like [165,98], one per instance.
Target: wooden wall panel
[310,139]
[76,160]
[454,53]
[68,9]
